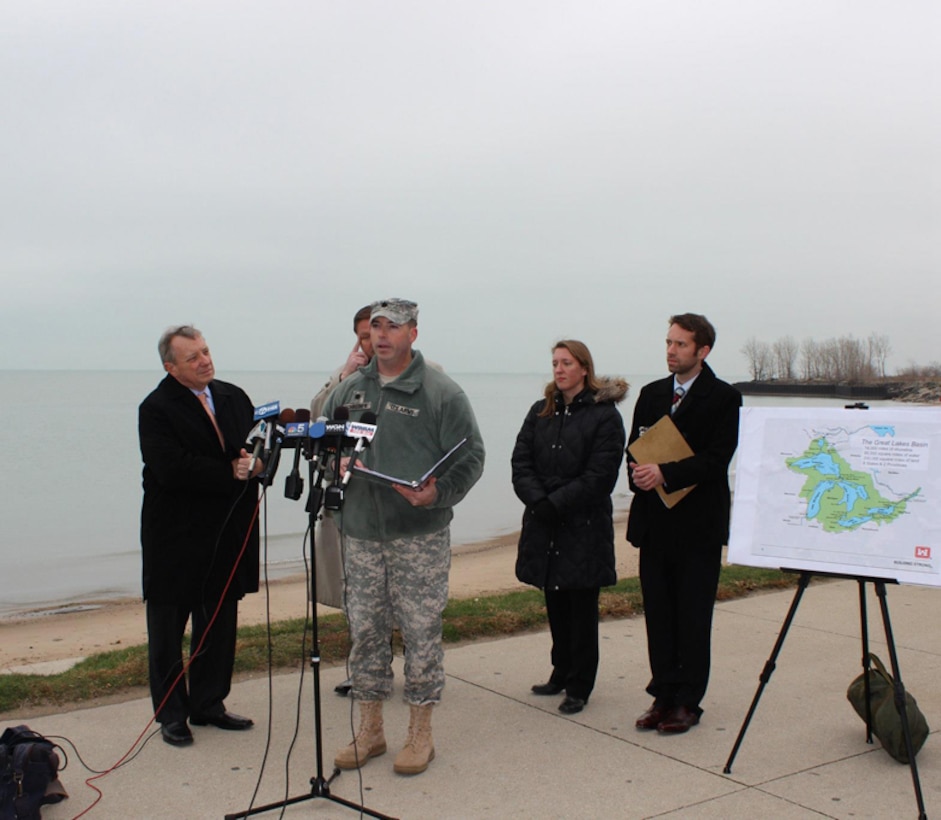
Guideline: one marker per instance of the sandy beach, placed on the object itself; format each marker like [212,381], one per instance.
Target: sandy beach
[37,641]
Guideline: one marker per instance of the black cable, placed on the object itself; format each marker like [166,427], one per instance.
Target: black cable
[267,749]
[81,760]
[300,687]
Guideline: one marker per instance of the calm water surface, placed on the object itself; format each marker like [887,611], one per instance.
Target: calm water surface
[72,491]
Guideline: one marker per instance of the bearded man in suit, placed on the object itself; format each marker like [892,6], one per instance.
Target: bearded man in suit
[681,546]
[198,533]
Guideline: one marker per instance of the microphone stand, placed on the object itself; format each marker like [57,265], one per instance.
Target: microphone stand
[320,785]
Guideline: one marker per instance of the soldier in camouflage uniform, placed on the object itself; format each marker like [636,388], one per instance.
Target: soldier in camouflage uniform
[396,539]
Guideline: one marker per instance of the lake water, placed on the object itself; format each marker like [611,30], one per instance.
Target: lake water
[71,489]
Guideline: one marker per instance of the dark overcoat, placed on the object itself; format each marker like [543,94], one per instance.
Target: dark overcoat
[572,458]
[190,541]
[708,419]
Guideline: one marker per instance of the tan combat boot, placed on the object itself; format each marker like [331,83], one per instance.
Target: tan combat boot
[419,749]
[369,741]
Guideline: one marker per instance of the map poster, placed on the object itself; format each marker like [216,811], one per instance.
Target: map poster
[850,492]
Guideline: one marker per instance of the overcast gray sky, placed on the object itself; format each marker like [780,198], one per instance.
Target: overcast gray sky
[526,170]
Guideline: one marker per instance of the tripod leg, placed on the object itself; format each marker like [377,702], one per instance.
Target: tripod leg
[900,697]
[864,633]
[765,675]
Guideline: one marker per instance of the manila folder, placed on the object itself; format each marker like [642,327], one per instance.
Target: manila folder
[662,444]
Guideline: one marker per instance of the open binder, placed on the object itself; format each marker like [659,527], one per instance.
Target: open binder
[382,478]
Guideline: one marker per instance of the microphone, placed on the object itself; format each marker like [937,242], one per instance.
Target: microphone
[337,427]
[295,434]
[336,430]
[315,442]
[333,498]
[363,431]
[260,434]
[316,436]
[274,454]
[257,435]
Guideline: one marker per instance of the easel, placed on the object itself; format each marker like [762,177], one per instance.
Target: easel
[765,676]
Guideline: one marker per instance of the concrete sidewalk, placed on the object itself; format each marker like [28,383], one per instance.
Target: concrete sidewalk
[502,752]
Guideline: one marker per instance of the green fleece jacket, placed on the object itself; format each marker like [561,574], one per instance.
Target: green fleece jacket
[420,416]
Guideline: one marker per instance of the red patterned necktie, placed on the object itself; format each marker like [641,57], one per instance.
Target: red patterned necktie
[677,395]
[204,400]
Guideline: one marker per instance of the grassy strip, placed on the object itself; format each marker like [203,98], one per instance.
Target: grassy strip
[465,619]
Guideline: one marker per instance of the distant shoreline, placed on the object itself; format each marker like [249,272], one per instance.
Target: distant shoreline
[921,392]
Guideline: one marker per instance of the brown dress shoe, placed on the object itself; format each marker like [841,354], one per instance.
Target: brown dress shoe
[680,719]
[652,717]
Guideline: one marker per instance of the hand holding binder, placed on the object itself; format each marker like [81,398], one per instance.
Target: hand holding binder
[662,444]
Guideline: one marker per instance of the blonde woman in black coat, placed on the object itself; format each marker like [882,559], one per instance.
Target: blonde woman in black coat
[565,466]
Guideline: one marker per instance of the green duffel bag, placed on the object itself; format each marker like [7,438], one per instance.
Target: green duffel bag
[886,720]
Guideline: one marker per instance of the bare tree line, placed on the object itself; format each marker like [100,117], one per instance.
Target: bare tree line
[844,360]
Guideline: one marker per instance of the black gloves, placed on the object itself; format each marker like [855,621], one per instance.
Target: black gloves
[544,512]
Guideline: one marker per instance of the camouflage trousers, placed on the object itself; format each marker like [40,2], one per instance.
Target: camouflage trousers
[402,582]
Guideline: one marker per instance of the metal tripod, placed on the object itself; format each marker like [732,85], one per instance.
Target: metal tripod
[319,784]
[899,693]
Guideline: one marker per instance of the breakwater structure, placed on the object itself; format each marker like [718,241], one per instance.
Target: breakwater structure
[921,392]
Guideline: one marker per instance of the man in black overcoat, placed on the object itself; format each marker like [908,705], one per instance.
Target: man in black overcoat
[198,533]
[681,547]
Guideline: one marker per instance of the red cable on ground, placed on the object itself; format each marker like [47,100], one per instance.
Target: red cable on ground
[90,781]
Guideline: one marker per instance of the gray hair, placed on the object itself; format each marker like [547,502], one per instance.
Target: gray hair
[163,346]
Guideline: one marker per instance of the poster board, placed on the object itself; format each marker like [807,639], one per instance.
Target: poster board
[850,492]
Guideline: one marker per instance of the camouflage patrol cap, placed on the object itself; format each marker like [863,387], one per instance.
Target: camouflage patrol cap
[400,311]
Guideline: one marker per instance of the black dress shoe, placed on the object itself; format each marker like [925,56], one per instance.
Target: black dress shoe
[176,734]
[224,720]
[652,717]
[549,688]
[343,689]
[679,720]
[572,706]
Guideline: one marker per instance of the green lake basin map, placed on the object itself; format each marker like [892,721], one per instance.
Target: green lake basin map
[848,492]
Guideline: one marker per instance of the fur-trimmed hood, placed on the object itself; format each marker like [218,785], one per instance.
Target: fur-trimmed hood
[613,389]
